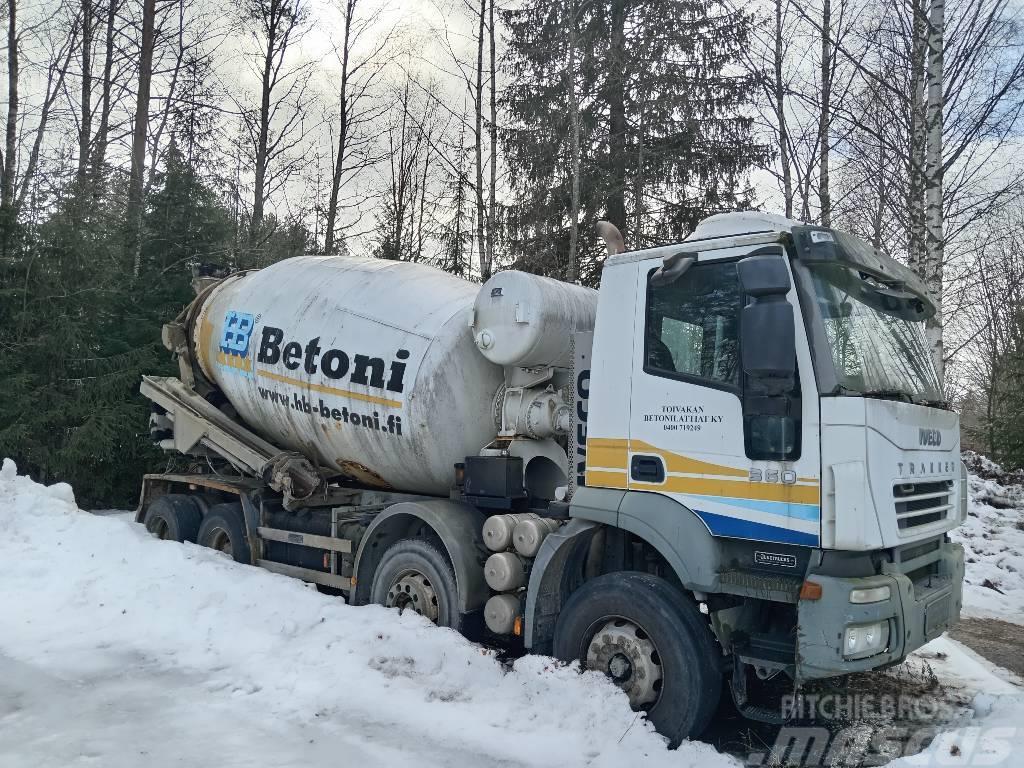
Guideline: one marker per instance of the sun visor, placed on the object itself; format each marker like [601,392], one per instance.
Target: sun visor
[817,245]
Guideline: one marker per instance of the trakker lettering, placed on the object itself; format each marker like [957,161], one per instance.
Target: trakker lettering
[332,363]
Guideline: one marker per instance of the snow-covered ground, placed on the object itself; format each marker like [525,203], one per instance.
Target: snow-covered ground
[120,650]
[993,539]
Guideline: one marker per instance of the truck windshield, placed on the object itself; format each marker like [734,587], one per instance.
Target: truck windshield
[876,349]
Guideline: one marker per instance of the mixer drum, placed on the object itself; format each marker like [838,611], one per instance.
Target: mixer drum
[365,365]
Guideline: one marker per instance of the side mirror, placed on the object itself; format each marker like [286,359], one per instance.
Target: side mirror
[764,274]
[768,340]
[672,268]
[767,330]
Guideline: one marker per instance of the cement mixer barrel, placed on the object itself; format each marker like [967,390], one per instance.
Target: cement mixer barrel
[367,366]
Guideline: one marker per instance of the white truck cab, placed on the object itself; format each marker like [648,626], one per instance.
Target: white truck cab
[763,413]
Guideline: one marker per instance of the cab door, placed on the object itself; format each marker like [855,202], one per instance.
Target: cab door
[691,435]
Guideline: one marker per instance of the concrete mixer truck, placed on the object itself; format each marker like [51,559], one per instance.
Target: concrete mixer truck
[729,468]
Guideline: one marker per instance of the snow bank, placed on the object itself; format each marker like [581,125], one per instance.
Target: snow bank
[82,595]
[993,540]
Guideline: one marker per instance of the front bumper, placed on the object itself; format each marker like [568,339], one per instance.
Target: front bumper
[925,599]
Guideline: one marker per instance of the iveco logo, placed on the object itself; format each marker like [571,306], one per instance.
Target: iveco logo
[930,437]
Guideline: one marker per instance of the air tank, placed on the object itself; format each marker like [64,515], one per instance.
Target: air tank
[527,320]
[367,366]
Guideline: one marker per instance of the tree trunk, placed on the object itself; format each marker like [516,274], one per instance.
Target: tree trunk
[780,114]
[934,241]
[824,115]
[881,198]
[263,135]
[99,151]
[140,130]
[492,202]
[616,199]
[916,156]
[339,159]
[85,112]
[571,270]
[638,184]
[10,163]
[479,99]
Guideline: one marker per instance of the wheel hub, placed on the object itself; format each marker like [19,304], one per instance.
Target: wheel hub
[625,653]
[412,591]
[222,542]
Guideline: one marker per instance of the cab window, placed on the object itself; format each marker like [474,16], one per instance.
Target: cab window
[692,327]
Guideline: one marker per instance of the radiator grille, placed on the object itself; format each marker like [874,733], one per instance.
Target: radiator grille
[924,503]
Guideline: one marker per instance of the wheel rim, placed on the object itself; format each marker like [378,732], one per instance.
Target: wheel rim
[622,650]
[158,527]
[412,590]
[220,540]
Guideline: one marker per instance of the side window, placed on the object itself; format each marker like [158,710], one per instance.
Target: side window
[692,326]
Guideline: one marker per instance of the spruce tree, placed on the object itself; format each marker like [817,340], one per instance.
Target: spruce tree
[663,139]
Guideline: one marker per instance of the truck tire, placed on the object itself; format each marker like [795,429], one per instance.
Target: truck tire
[652,642]
[223,529]
[416,574]
[175,517]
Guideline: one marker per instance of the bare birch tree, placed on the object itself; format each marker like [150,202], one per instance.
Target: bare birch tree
[277,126]
[354,120]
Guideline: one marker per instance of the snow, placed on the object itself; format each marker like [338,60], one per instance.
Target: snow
[993,540]
[117,648]
[991,733]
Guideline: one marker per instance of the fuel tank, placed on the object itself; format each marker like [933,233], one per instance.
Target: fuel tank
[367,366]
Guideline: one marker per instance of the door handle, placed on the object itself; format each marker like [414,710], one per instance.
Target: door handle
[647,469]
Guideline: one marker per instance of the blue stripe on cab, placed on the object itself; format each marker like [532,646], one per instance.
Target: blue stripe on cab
[809,512]
[735,528]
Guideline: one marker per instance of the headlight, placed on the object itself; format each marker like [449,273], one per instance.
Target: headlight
[872,595]
[865,639]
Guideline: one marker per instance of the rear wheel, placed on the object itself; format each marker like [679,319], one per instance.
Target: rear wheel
[415,575]
[223,529]
[175,516]
[652,643]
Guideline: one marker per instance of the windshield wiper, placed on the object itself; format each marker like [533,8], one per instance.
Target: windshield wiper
[889,394]
[881,394]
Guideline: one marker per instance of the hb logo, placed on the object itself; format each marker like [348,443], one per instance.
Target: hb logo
[237,329]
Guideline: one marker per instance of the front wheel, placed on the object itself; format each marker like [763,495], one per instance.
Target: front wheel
[415,575]
[653,644]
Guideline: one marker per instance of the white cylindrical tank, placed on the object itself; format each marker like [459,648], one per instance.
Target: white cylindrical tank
[498,530]
[365,365]
[505,571]
[501,612]
[528,320]
[530,534]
